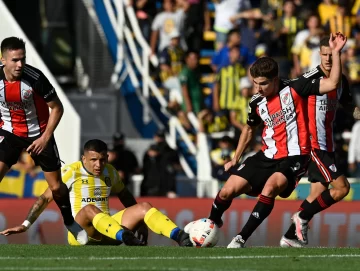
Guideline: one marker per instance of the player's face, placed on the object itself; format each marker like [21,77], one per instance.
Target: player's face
[266,87]
[326,58]
[14,62]
[95,162]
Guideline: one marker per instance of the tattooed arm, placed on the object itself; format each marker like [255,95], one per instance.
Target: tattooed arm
[39,206]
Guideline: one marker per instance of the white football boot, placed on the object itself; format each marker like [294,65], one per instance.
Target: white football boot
[79,233]
[286,242]
[302,227]
[237,242]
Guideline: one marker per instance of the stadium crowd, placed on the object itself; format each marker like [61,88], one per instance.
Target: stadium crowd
[206,47]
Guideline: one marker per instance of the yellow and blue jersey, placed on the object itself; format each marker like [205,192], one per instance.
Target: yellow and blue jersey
[85,188]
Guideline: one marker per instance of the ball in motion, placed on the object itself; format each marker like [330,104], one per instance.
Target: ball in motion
[203,233]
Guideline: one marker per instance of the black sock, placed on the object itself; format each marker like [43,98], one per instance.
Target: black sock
[261,211]
[62,200]
[219,206]
[321,203]
[290,234]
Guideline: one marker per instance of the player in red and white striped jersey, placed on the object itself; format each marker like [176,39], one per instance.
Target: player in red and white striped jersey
[25,98]
[323,168]
[282,107]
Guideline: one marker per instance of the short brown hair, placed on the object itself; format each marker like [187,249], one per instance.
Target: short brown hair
[265,67]
[325,41]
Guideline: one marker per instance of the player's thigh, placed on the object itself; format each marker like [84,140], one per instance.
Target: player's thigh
[49,159]
[132,216]
[234,187]
[11,147]
[323,167]
[276,183]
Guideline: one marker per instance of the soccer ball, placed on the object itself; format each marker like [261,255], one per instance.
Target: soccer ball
[203,233]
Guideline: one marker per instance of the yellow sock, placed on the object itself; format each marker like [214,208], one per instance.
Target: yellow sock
[161,224]
[107,226]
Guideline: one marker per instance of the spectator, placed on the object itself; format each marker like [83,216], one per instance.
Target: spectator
[190,84]
[197,21]
[226,90]
[164,24]
[221,58]
[125,161]
[27,164]
[159,174]
[224,10]
[326,9]
[145,13]
[306,46]
[220,156]
[209,122]
[341,22]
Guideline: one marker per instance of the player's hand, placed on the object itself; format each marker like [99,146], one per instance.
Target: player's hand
[142,233]
[229,164]
[15,230]
[338,42]
[37,146]
[356,113]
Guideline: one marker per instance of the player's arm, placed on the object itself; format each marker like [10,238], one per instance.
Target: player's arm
[126,197]
[39,206]
[44,89]
[336,44]
[247,133]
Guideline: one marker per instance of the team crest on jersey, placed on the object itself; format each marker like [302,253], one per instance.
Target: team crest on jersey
[285,98]
[26,93]
[241,167]
[333,168]
[97,192]
[1,138]
[108,181]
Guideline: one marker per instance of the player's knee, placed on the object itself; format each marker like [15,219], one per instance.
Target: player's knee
[226,193]
[55,187]
[144,207]
[342,188]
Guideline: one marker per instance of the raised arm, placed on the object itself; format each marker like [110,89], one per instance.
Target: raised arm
[39,206]
[336,44]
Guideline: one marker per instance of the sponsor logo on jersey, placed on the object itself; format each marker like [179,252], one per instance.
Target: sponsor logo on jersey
[94,199]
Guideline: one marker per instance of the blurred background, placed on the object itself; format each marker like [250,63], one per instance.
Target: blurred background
[166,84]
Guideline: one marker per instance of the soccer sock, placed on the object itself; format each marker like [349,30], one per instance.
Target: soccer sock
[219,206]
[161,224]
[290,234]
[321,203]
[108,226]
[261,211]
[62,200]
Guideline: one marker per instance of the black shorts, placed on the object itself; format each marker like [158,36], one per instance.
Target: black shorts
[322,167]
[11,147]
[257,170]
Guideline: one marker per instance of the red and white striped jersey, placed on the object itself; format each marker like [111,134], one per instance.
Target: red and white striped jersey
[23,104]
[322,111]
[285,118]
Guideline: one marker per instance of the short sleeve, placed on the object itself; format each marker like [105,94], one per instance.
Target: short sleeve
[183,77]
[44,88]
[156,25]
[67,175]
[306,86]
[117,183]
[253,118]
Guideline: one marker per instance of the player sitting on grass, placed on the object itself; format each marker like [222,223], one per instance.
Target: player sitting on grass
[90,182]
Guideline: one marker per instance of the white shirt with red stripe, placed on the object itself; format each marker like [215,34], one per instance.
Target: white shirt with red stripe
[322,112]
[285,118]
[23,103]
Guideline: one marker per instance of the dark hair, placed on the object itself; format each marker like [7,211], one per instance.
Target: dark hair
[95,145]
[265,67]
[12,43]
[234,48]
[325,41]
[232,31]
[188,53]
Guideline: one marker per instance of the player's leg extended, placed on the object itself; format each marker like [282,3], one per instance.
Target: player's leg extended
[154,219]
[233,187]
[94,221]
[315,190]
[273,187]
[61,197]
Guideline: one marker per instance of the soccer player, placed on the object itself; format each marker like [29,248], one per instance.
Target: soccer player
[323,168]
[90,182]
[273,171]
[25,98]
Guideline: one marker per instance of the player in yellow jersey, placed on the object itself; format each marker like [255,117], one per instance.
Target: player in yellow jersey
[90,182]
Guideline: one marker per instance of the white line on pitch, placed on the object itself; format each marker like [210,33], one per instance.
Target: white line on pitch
[78,268]
[92,258]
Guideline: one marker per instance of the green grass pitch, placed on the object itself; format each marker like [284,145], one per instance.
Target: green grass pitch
[56,257]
